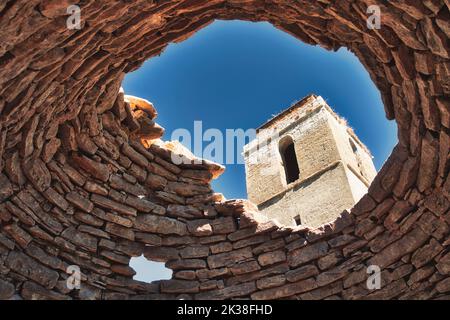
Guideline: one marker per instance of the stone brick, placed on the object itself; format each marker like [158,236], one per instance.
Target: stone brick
[285,291]
[301,273]
[84,240]
[6,290]
[223,225]
[186,264]
[270,282]
[428,164]
[38,174]
[408,243]
[179,286]
[241,234]
[120,183]
[437,203]
[306,254]
[188,212]
[269,246]
[233,291]
[45,258]
[112,205]
[134,155]
[55,198]
[186,275]
[80,202]
[221,247]
[21,237]
[96,169]
[30,269]
[33,291]
[200,227]
[86,144]
[229,258]
[21,215]
[210,274]
[144,205]
[264,272]
[426,253]
[269,258]
[444,264]
[296,244]
[330,276]
[244,267]
[88,219]
[126,271]
[341,240]
[156,182]
[93,231]
[95,188]
[186,189]
[251,241]
[120,231]
[194,251]
[51,8]
[27,145]
[329,260]
[212,239]
[115,257]
[420,274]
[323,292]
[151,239]
[14,172]
[74,175]
[443,286]
[7,243]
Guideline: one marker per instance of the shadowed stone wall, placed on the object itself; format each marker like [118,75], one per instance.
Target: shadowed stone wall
[78,188]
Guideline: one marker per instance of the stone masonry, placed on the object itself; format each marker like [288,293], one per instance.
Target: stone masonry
[335,167]
[85,181]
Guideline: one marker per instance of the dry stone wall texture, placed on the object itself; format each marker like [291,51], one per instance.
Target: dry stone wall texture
[73,171]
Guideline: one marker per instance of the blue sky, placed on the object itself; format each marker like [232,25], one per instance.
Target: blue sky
[236,74]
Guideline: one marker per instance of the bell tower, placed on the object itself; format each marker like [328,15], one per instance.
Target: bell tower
[306,165]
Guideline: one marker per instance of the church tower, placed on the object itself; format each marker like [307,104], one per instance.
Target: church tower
[306,165]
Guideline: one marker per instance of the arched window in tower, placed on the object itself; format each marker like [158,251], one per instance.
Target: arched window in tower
[352,144]
[289,159]
[358,157]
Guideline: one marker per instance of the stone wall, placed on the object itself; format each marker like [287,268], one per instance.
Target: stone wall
[73,172]
[317,200]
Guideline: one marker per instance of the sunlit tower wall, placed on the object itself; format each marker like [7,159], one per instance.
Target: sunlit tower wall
[307,165]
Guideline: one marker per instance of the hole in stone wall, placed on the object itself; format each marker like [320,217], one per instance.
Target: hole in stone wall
[148,271]
[238,75]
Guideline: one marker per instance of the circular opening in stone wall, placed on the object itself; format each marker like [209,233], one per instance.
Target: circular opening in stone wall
[231,78]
